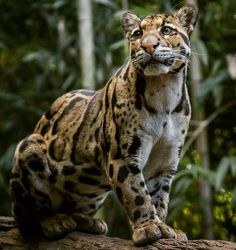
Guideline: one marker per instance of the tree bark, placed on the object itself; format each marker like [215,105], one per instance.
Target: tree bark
[11,239]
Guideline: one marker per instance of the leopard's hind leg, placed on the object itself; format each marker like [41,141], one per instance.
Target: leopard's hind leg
[60,224]
[57,225]
[30,190]
[88,224]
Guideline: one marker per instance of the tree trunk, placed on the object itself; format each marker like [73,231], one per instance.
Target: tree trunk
[125,4]
[86,43]
[61,29]
[202,149]
[11,239]
[201,143]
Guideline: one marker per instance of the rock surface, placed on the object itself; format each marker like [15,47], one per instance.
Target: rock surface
[11,239]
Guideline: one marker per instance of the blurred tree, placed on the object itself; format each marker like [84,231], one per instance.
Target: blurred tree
[86,44]
[202,146]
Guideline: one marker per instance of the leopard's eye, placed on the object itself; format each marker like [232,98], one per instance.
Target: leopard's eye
[137,33]
[166,30]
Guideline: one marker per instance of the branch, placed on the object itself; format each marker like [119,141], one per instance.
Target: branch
[11,239]
[205,123]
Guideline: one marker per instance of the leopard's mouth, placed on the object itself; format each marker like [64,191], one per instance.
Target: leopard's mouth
[153,61]
[157,66]
[156,62]
[160,61]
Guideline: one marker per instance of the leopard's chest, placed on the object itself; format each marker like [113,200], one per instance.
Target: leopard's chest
[167,137]
[165,116]
[164,129]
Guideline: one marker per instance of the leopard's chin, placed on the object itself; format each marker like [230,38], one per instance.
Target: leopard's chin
[155,69]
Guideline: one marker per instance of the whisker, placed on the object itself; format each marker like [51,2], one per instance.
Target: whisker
[177,5]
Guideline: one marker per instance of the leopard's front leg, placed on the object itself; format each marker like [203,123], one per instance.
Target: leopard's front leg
[159,188]
[128,182]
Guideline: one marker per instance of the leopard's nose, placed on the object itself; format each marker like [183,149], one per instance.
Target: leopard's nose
[149,47]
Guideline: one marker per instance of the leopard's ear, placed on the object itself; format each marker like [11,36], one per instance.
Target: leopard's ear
[187,17]
[129,22]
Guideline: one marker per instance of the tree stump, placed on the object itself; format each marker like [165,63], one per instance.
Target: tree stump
[11,239]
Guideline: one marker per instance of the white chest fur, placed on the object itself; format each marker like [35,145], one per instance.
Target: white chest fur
[165,128]
[163,92]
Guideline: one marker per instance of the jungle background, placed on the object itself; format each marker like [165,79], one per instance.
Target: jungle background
[43,55]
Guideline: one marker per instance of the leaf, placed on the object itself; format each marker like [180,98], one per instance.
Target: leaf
[182,185]
[38,56]
[69,80]
[232,163]
[234,196]
[16,102]
[6,159]
[58,4]
[13,99]
[216,64]
[108,4]
[226,164]
[202,51]
[218,95]
[118,45]
[68,41]
[40,79]
[2,45]
[176,204]
[211,83]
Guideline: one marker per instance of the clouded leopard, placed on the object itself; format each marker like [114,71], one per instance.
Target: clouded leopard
[126,137]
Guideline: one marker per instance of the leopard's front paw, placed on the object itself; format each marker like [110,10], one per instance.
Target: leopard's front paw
[57,226]
[150,231]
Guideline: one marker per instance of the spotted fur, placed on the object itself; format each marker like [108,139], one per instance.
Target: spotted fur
[125,137]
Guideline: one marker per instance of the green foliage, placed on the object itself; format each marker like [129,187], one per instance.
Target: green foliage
[37,64]
[225,215]
[185,212]
[227,164]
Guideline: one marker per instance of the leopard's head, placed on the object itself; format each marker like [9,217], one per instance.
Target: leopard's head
[159,43]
